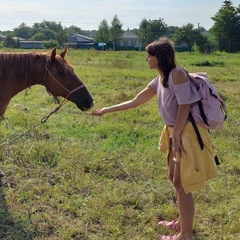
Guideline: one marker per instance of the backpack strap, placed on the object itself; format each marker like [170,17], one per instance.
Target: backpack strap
[216,160]
[203,115]
[190,116]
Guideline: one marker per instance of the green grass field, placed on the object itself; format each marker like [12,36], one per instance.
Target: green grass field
[83,177]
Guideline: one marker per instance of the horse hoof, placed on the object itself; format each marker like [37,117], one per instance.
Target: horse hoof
[1,173]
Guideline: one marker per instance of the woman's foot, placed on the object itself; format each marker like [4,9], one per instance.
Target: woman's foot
[166,237]
[174,237]
[173,225]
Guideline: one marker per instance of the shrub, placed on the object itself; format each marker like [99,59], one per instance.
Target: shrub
[208,63]
[50,44]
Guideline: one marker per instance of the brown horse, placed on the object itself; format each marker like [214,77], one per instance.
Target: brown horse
[19,71]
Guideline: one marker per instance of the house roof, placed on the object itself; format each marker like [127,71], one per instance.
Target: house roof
[2,36]
[15,38]
[129,34]
[18,38]
[82,38]
[25,41]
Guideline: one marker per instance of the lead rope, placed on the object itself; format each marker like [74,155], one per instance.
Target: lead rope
[44,119]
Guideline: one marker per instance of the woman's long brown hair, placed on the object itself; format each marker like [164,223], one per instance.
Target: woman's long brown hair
[164,51]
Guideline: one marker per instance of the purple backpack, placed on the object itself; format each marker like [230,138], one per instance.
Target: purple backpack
[210,111]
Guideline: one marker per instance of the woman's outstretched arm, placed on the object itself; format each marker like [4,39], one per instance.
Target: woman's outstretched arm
[142,97]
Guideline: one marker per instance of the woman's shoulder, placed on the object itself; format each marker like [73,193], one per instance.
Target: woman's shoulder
[179,76]
[154,82]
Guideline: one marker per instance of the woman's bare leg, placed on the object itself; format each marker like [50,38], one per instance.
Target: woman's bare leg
[185,205]
[185,201]
[171,166]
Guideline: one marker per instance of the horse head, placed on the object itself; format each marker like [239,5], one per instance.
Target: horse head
[60,80]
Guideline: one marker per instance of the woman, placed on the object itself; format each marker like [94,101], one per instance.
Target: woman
[189,167]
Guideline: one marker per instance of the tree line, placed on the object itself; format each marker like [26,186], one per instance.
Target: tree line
[224,35]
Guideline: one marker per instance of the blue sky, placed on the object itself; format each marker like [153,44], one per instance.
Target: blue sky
[87,14]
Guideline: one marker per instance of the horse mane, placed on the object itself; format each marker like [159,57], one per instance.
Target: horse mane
[20,66]
[17,66]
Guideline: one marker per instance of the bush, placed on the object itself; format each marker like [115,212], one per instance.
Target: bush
[209,64]
[50,44]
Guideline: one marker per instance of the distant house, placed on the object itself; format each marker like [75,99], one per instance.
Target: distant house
[80,41]
[2,37]
[182,47]
[18,39]
[129,40]
[205,33]
[31,44]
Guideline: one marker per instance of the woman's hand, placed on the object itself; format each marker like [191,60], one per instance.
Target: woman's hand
[177,145]
[98,112]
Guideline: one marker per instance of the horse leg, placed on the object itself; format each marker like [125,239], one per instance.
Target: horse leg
[3,107]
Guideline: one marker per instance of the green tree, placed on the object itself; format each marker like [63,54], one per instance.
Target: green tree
[48,30]
[44,34]
[171,31]
[61,37]
[9,42]
[50,44]
[72,30]
[52,25]
[226,28]
[156,28]
[186,34]
[143,32]
[103,32]
[204,46]
[150,30]
[115,31]
[23,31]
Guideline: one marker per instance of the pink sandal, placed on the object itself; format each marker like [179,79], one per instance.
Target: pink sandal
[173,225]
[166,237]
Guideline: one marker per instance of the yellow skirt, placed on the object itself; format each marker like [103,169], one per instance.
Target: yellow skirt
[196,166]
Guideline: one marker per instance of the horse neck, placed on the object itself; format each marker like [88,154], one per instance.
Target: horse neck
[26,71]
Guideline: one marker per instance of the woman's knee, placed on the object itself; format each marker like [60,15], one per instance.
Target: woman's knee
[177,177]
[170,166]
[170,177]
[177,184]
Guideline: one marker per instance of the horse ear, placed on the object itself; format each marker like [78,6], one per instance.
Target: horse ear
[63,54]
[53,55]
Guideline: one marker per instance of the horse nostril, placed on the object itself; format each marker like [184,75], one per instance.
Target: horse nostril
[89,103]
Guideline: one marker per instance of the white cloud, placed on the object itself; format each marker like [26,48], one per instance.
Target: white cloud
[87,14]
